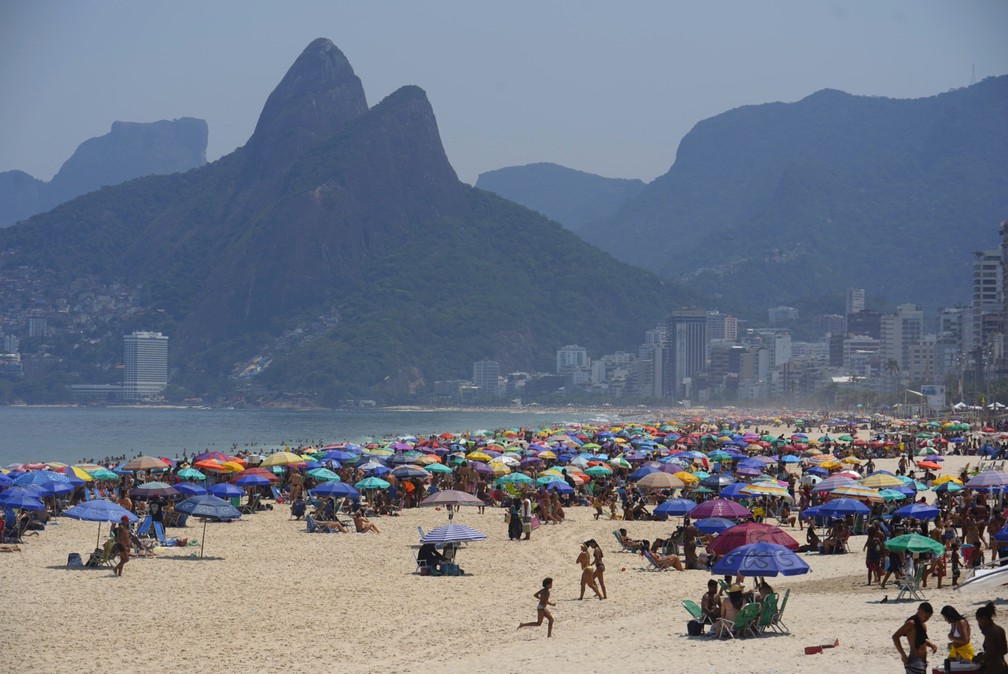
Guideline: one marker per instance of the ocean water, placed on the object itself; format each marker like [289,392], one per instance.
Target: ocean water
[72,434]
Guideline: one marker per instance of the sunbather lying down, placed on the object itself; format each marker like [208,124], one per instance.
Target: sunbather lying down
[331,525]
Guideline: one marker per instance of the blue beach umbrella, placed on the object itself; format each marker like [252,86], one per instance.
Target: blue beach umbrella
[224,490]
[253,480]
[99,510]
[336,490]
[917,511]
[760,559]
[713,525]
[843,506]
[190,489]
[560,487]
[452,533]
[207,507]
[675,507]
[23,498]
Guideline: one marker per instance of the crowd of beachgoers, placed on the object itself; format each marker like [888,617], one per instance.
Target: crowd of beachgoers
[726,486]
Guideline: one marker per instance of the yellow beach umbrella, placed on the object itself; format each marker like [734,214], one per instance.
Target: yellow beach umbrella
[500,469]
[281,459]
[478,456]
[81,473]
[946,478]
[857,491]
[851,460]
[687,478]
[881,481]
[829,464]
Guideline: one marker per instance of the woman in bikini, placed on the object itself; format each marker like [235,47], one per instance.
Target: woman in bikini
[587,572]
[959,635]
[599,565]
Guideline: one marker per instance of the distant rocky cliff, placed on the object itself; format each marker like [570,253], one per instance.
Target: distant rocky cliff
[130,150]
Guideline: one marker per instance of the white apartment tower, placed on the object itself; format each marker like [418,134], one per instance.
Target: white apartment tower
[146,364]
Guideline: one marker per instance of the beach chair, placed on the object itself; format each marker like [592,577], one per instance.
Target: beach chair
[623,546]
[745,621]
[694,610]
[251,507]
[767,613]
[145,526]
[724,586]
[777,624]
[159,534]
[652,563]
[911,585]
[277,496]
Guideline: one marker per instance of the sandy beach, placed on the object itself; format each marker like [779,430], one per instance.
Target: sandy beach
[269,596]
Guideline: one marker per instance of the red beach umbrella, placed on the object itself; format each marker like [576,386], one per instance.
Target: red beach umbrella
[750,532]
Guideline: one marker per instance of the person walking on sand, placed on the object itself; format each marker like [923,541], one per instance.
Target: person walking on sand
[123,544]
[599,566]
[542,608]
[915,631]
[587,572]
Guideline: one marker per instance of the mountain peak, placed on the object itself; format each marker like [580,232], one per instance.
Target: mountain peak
[317,97]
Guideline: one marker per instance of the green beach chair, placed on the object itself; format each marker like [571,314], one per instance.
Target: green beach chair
[767,613]
[745,620]
[776,623]
[694,610]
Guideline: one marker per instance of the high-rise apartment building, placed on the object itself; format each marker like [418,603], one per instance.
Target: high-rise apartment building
[988,294]
[900,331]
[146,365]
[684,351]
[855,301]
[571,357]
[486,376]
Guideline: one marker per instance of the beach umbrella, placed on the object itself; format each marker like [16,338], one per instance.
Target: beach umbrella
[917,511]
[79,473]
[336,490]
[145,463]
[859,492]
[843,506]
[599,471]
[880,480]
[720,507]
[410,471]
[948,487]
[22,498]
[760,559]
[450,498]
[323,474]
[191,474]
[372,483]
[515,478]
[208,506]
[660,480]
[46,482]
[765,489]
[153,489]
[282,459]
[891,495]
[831,483]
[255,480]
[452,533]
[984,480]
[100,510]
[713,525]
[915,543]
[734,490]
[750,532]
[560,487]
[224,490]
[190,489]
[674,507]
[437,468]
[104,474]
[5,481]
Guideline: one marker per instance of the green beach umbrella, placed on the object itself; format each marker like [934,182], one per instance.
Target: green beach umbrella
[515,478]
[915,543]
[598,471]
[372,483]
[546,479]
[891,495]
[437,468]
[323,474]
[104,474]
[189,474]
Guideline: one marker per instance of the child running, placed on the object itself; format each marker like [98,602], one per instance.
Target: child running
[542,608]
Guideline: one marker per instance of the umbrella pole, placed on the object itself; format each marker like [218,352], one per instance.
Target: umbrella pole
[202,540]
[98,540]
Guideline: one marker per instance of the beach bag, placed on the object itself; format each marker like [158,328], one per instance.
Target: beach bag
[74,560]
[694,628]
[526,526]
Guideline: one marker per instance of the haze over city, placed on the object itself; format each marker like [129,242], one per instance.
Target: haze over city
[595,86]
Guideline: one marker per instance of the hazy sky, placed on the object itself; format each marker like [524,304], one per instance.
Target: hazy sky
[605,87]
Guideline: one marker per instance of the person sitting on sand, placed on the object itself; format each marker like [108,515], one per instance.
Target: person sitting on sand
[363,524]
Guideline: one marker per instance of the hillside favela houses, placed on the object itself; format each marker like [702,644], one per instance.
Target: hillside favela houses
[862,358]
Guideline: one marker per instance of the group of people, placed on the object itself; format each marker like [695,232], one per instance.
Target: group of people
[960,648]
